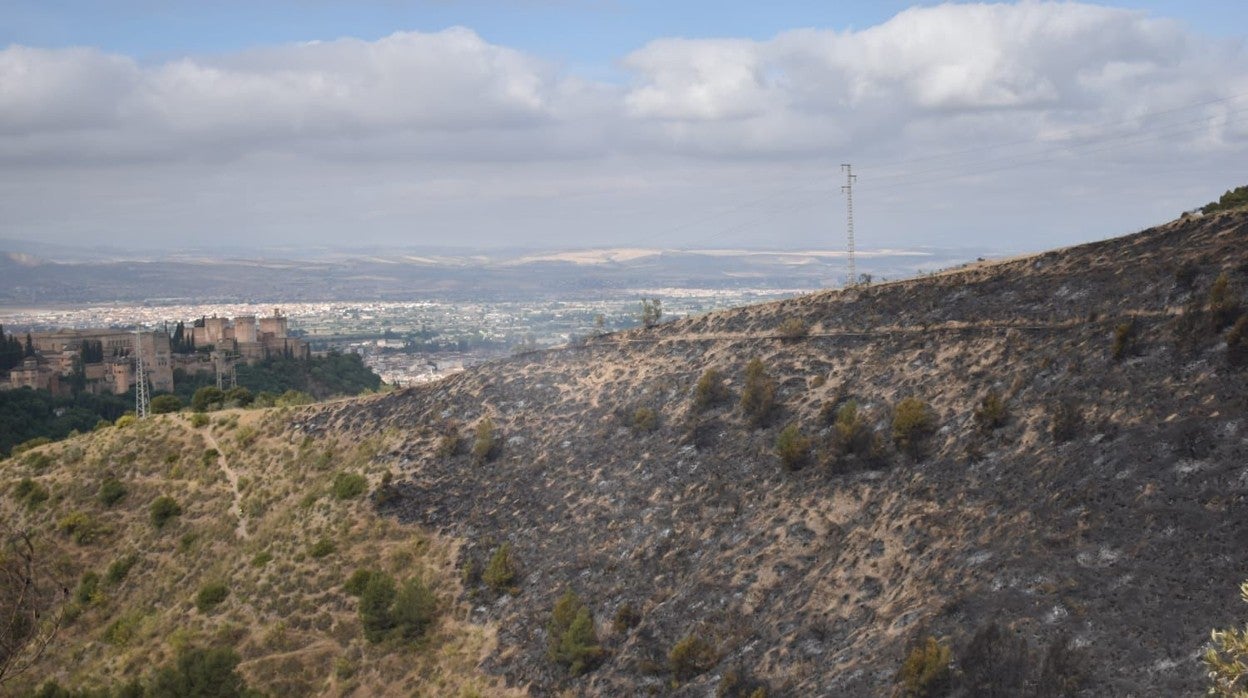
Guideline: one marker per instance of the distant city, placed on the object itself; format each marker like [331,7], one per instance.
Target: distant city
[404,342]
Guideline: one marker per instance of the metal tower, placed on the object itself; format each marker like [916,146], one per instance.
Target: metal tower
[848,188]
[142,400]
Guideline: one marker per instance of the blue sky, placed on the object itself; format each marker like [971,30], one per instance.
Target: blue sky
[590,34]
[548,123]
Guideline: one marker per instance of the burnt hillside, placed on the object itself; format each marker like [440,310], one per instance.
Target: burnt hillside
[1103,502]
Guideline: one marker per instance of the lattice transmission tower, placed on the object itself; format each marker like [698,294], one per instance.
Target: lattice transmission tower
[848,188]
[142,400]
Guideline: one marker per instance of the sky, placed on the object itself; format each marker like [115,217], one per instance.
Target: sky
[562,123]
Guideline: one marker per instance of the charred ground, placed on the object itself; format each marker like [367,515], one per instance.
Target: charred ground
[1107,508]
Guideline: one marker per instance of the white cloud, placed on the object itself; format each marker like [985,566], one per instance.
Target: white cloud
[384,125]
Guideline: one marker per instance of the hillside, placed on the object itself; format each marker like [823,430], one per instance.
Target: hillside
[1089,510]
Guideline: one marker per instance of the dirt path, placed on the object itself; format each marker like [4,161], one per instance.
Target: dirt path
[236,508]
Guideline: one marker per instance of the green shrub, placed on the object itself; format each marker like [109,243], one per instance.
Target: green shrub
[414,611]
[207,398]
[349,485]
[200,672]
[88,590]
[238,396]
[261,558]
[111,491]
[163,404]
[913,422]
[925,673]
[163,509]
[691,656]
[501,570]
[323,547]
[199,420]
[792,446]
[1232,199]
[485,446]
[645,419]
[358,580]
[793,329]
[449,443]
[851,435]
[710,390]
[79,526]
[29,444]
[125,420]
[626,618]
[389,612]
[120,567]
[121,631]
[991,412]
[1124,336]
[30,492]
[758,396]
[375,600]
[573,641]
[210,596]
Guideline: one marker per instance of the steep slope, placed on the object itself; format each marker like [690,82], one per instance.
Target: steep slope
[1104,508]
[1101,501]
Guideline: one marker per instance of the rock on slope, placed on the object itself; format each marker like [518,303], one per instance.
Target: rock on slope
[1124,532]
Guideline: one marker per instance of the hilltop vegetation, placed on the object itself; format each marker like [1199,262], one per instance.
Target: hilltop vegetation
[1231,200]
[975,483]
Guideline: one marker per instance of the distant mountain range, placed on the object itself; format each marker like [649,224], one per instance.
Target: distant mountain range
[37,273]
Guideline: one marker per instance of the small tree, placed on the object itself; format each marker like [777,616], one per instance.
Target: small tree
[651,311]
[645,419]
[758,396]
[691,656]
[792,446]
[414,611]
[573,641]
[851,435]
[501,570]
[710,390]
[162,404]
[991,412]
[375,601]
[207,673]
[913,422]
[485,445]
[925,673]
[163,509]
[793,329]
[207,398]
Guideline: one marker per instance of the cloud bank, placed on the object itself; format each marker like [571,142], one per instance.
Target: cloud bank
[421,137]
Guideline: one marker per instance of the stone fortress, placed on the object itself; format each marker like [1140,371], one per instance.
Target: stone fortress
[217,342]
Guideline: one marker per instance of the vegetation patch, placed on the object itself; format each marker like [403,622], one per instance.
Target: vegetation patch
[210,596]
[573,641]
[349,485]
[163,509]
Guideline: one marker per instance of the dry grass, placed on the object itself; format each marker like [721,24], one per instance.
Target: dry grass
[286,613]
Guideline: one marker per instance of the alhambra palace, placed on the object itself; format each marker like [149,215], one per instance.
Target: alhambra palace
[217,343]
